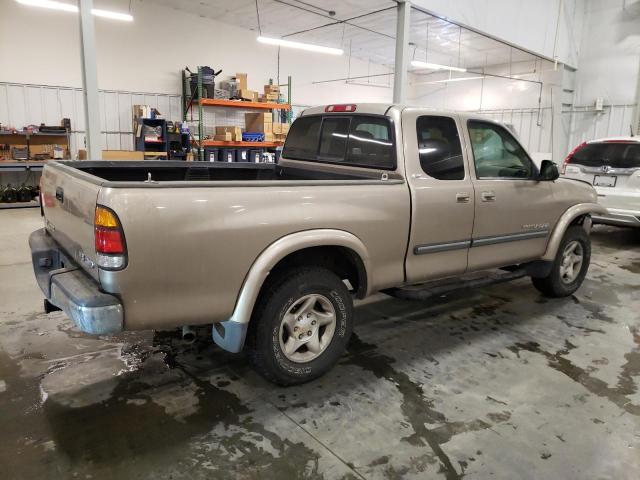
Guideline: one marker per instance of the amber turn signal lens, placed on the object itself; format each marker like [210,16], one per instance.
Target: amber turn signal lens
[105,218]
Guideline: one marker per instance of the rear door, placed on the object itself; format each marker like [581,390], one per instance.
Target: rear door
[69,203]
[613,168]
[442,197]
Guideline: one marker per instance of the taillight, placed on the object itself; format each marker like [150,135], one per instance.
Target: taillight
[570,157]
[111,248]
[340,108]
[41,196]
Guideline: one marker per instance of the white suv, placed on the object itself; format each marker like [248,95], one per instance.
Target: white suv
[612,166]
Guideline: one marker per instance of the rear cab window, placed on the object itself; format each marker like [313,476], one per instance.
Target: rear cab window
[356,140]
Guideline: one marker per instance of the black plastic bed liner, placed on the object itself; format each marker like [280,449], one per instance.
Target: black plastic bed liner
[164,171]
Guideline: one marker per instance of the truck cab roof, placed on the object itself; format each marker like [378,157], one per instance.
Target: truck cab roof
[384,109]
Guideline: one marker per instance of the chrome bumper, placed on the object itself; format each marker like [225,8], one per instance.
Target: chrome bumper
[619,218]
[72,290]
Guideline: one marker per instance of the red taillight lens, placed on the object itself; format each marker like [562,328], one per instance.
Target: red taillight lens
[340,108]
[109,240]
[570,157]
[108,232]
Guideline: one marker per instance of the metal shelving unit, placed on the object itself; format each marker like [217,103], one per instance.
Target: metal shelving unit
[25,166]
[188,102]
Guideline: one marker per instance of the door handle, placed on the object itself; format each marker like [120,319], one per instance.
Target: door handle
[462,197]
[488,196]
[60,194]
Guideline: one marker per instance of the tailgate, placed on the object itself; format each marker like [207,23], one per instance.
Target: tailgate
[69,203]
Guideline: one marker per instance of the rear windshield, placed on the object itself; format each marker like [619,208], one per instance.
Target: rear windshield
[617,155]
[355,140]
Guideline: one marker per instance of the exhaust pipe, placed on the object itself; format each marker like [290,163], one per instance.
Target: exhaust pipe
[188,334]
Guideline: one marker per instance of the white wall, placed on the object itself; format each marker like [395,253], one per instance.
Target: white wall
[41,46]
[609,67]
[530,24]
[610,58]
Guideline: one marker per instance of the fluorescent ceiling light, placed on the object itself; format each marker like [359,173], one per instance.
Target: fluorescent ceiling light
[125,17]
[302,46]
[435,66]
[447,80]
[67,7]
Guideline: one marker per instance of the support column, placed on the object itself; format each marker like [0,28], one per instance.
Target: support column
[402,51]
[90,80]
[636,118]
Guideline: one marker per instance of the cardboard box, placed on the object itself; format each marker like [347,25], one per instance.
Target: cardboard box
[122,155]
[236,132]
[259,122]
[281,128]
[259,127]
[248,95]
[242,81]
[114,155]
[264,117]
[225,137]
[269,137]
[271,97]
[271,89]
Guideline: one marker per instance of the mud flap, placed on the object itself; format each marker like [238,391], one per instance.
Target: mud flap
[229,335]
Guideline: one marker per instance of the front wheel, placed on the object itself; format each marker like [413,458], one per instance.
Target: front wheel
[570,265]
[301,326]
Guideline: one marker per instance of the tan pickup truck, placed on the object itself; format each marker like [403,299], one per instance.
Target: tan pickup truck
[365,198]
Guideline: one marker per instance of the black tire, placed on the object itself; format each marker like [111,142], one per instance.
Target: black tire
[553,285]
[263,338]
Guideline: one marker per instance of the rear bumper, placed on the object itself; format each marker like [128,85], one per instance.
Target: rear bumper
[619,217]
[69,288]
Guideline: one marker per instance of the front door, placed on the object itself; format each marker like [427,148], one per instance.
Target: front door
[514,212]
[442,198]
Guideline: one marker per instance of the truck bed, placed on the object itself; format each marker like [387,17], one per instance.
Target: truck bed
[172,171]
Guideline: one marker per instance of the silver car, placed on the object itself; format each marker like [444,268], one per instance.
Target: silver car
[612,166]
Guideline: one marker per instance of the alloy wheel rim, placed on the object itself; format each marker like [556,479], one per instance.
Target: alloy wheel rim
[306,329]
[572,259]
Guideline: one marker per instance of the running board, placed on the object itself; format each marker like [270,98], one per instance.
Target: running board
[435,288]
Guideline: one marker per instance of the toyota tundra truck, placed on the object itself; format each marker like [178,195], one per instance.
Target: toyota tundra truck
[365,198]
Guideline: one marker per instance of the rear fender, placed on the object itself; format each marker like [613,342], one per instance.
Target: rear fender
[231,333]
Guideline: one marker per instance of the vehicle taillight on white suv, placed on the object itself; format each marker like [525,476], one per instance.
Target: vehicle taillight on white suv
[570,157]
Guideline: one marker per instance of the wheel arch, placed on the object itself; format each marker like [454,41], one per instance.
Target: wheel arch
[338,250]
[577,214]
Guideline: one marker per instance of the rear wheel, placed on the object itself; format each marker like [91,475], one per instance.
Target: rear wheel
[301,326]
[570,265]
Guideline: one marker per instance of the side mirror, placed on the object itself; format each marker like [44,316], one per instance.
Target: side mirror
[548,171]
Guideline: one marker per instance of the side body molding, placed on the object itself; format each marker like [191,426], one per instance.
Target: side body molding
[231,333]
[565,220]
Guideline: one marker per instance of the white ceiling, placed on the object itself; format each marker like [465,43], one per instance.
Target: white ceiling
[369,37]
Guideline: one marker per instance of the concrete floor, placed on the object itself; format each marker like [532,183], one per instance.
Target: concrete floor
[495,382]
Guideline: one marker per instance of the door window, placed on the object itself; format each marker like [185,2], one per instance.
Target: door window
[439,148]
[496,153]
